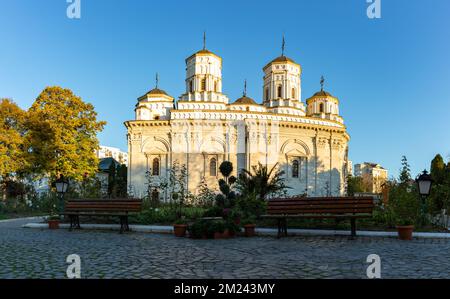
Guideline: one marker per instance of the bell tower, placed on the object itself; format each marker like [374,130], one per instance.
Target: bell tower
[282,85]
[204,77]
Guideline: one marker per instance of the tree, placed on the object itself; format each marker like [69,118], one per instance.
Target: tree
[354,185]
[122,174]
[205,195]
[262,182]
[112,180]
[12,131]
[438,169]
[227,197]
[405,172]
[63,134]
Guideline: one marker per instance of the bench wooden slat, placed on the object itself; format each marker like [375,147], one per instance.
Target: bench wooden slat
[112,208]
[322,207]
[334,205]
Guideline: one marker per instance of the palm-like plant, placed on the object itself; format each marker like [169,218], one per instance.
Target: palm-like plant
[261,181]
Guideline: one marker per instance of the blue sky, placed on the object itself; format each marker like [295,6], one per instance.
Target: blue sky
[392,75]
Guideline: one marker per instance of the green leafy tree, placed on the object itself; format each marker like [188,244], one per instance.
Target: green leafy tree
[354,185]
[112,180]
[122,176]
[62,134]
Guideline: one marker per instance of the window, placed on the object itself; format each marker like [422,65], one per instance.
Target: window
[203,85]
[321,110]
[191,88]
[155,167]
[293,93]
[156,117]
[267,94]
[280,89]
[215,86]
[295,169]
[213,167]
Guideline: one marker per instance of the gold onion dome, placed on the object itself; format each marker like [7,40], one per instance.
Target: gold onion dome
[157,91]
[322,93]
[245,101]
[282,59]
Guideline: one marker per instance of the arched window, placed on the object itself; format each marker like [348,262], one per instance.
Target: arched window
[295,169]
[155,167]
[191,87]
[267,94]
[321,108]
[280,90]
[293,93]
[215,86]
[203,85]
[213,167]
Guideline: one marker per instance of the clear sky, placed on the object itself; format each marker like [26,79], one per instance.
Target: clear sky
[392,75]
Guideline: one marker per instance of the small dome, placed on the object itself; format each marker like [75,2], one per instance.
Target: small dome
[244,101]
[322,93]
[157,91]
[283,59]
[204,51]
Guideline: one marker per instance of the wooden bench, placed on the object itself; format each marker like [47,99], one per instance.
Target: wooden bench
[121,208]
[319,207]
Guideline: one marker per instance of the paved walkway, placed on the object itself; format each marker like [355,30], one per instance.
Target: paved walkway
[41,253]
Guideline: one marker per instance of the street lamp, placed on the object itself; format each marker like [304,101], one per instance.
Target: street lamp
[424,182]
[61,185]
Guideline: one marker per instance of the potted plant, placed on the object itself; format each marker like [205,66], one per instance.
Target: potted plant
[406,210]
[53,222]
[249,226]
[217,230]
[180,227]
[198,230]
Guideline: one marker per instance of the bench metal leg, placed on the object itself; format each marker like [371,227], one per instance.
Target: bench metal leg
[282,227]
[74,222]
[124,224]
[353,224]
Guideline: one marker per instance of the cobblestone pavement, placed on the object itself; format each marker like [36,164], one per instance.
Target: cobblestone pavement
[33,253]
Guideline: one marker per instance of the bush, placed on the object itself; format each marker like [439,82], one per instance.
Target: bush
[166,214]
[405,205]
[198,229]
[251,206]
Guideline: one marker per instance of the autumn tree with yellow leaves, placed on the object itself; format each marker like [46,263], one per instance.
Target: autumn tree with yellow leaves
[57,135]
[13,159]
[62,136]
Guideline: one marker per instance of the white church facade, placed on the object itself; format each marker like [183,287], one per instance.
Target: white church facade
[204,127]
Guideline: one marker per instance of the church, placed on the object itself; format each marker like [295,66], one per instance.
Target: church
[203,128]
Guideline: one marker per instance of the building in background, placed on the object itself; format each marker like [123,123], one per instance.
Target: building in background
[112,152]
[373,175]
[350,167]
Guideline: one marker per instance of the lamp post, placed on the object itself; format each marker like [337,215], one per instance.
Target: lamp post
[61,185]
[424,182]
